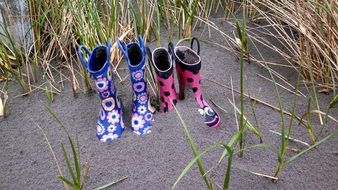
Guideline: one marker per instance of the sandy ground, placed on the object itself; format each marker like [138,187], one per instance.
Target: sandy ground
[156,160]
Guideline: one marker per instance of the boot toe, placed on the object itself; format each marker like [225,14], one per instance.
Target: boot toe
[213,121]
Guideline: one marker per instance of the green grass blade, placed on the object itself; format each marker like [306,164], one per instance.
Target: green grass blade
[193,148]
[312,146]
[70,184]
[111,183]
[219,107]
[242,125]
[136,19]
[239,31]
[334,102]
[159,25]
[56,118]
[228,171]
[280,106]
[248,124]
[314,93]
[267,146]
[234,139]
[185,11]
[76,161]
[193,12]
[195,159]
[69,167]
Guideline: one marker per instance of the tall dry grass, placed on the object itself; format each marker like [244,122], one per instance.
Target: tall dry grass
[58,27]
[308,31]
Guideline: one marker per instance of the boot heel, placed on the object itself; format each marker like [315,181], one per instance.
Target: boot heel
[181,82]
[181,95]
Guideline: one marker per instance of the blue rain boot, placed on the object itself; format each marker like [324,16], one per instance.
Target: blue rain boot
[143,111]
[110,123]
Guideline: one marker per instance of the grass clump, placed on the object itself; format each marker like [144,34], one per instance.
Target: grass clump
[77,180]
[309,32]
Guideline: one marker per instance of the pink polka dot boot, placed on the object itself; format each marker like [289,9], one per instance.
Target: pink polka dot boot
[110,122]
[188,66]
[162,62]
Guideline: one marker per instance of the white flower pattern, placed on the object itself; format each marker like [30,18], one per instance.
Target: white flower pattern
[142,98]
[111,128]
[137,75]
[113,117]
[137,122]
[148,117]
[109,137]
[141,109]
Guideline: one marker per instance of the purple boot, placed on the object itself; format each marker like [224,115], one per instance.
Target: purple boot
[143,111]
[110,122]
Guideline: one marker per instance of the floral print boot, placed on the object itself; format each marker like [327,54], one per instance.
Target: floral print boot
[188,66]
[110,122]
[143,111]
[162,61]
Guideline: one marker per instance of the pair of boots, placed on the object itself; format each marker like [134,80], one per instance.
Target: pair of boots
[188,66]
[110,124]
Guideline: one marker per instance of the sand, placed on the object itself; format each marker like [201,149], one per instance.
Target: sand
[155,161]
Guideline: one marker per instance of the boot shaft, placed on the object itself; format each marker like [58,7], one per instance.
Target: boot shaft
[98,66]
[98,59]
[188,59]
[134,53]
[162,62]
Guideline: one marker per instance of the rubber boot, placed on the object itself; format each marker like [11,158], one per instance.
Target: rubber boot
[188,66]
[162,62]
[110,122]
[143,111]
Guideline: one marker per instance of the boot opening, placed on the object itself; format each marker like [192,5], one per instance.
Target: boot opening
[135,54]
[100,58]
[187,56]
[162,59]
